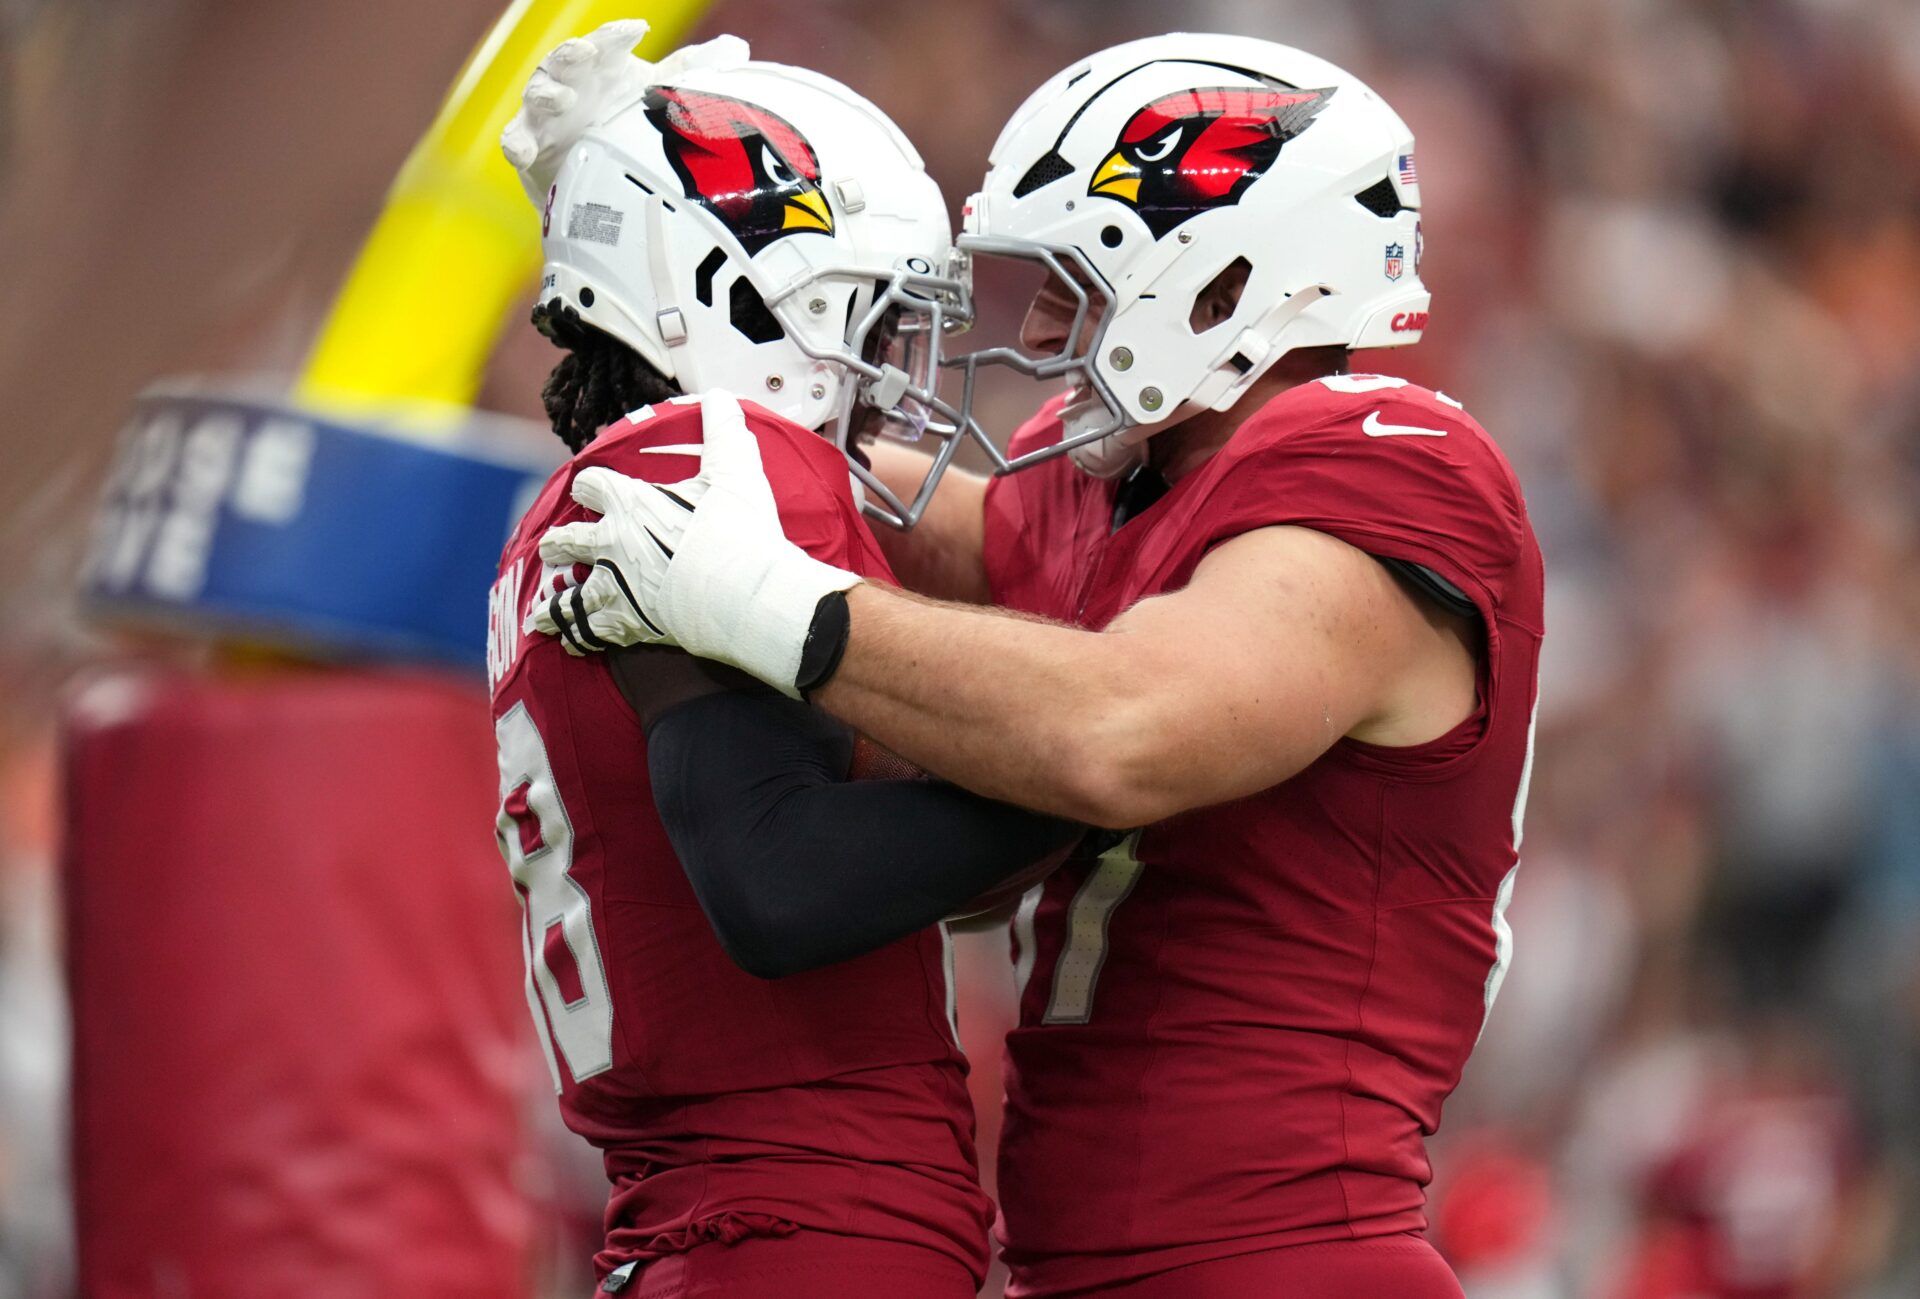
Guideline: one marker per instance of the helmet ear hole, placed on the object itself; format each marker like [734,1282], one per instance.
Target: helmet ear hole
[1214,305]
[748,313]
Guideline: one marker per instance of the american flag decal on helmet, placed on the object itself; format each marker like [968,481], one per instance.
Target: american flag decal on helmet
[1408,176]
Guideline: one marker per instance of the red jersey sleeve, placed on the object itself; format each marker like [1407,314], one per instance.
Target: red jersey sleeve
[811,485]
[1396,471]
[812,489]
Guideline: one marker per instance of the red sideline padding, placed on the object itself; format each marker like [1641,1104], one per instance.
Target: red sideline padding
[300,1045]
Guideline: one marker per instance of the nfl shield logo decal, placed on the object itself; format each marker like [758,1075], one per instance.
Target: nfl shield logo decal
[1396,261]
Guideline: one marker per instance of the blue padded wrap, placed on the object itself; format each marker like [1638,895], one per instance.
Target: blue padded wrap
[244,519]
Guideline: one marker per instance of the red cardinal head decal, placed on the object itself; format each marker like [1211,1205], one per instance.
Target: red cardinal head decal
[1199,149]
[747,166]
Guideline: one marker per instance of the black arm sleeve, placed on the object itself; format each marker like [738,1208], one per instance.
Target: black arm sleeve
[795,865]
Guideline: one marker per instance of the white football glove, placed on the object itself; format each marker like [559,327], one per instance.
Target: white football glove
[584,80]
[607,610]
[701,564]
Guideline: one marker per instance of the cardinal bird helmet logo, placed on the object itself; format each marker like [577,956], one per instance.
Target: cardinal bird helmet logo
[747,166]
[1195,150]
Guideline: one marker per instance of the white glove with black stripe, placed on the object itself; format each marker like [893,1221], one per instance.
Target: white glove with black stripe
[701,564]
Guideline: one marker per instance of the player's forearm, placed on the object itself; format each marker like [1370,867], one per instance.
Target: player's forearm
[943,555]
[752,790]
[1054,718]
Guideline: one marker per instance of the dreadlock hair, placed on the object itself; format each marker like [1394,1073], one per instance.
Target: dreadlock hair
[598,381]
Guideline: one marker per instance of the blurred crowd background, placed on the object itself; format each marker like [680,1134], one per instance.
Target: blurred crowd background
[1674,247]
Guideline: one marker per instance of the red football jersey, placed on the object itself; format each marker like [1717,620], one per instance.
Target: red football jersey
[725,1105]
[1238,1025]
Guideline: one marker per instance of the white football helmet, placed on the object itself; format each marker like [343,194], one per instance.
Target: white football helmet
[1144,173]
[764,230]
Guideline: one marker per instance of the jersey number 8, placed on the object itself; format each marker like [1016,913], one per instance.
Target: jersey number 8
[564,971]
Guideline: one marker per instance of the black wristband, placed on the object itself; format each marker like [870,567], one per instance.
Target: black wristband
[826,642]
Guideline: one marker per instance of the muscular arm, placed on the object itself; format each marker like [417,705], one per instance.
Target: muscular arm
[943,555]
[795,865]
[1285,641]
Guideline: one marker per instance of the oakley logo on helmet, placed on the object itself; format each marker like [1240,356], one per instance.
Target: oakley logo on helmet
[747,166]
[1195,150]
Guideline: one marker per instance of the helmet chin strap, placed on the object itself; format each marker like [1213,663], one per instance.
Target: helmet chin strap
[1110,457]
[669,319]
[1251,354]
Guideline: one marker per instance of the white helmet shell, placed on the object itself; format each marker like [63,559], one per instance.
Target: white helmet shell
[1156,166]
[680,209]
[749,227]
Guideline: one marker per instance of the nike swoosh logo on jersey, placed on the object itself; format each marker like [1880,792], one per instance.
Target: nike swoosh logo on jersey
[1373,428]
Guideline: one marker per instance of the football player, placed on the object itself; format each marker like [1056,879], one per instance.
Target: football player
[1275,624]
[712,221]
